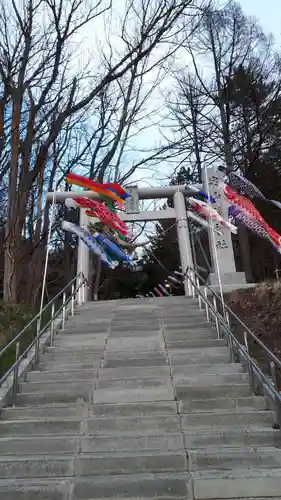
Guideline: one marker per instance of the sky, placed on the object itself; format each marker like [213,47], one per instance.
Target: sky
[268,12]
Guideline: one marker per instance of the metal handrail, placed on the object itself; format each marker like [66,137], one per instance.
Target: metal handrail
[81,280]
[234,316]
[223,322]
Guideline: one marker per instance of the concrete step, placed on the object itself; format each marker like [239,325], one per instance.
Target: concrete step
[126,425]
[231,438]
[135,359]
[83,356]
[45,412]
[198,361]
[63,376]
[228,420]
[145,314]
[131,344]
[244,483]
[150,486]
[82,394]
[188,319]
[82,328]
[162,486]
[131,425]
[64,367]
[133,395]
[89,339]
[132,372]
[77,387]
[135,383]
[131,463]
[196,334]
[137,332]
[198,343]
[157,358]
[211,369]
[199,352]
[59,445]
[43,489]
[141,326]
[212,392]
[213,379]
[50,445]
[126,321]
[233,459]
[32,466]
[187,326]
[82,412]
[180,310]
[64,427]
[141,410]
[62,347]
[146,353]
[60,350]
[223,404]
[200,440]
[91,316]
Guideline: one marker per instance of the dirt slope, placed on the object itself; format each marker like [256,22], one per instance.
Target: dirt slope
[260,309]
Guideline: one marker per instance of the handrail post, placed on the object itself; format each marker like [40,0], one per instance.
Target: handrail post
[52,325]
[207,305]
[216,315]
[192,276]
[16,376]
[277,402]
[72,300]
[37,342]
[231,349]
[250,368]
[198,291]
[80,299]
[227,318]
[63,310]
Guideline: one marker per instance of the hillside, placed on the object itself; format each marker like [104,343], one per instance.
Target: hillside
[260,309]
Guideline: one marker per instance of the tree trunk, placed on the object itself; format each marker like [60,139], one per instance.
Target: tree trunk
[12,236]
[10,287]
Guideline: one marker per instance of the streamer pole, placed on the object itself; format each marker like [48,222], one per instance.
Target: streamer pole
[52,211]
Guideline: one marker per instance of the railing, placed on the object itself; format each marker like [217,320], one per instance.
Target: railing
[30,335]
[269,376]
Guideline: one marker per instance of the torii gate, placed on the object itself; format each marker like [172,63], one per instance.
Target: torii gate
[222,256]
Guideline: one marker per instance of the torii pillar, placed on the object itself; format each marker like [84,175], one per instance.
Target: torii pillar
[183,238]
[221,247]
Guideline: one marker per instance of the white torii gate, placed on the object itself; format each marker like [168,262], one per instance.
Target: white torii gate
[223,263]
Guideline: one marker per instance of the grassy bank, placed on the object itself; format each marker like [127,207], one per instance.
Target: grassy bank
[13,318]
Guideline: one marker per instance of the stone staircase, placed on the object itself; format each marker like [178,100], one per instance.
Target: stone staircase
[138,399]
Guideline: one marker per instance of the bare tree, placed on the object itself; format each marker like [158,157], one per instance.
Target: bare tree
[41,93]
[225,40]
[191,129]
